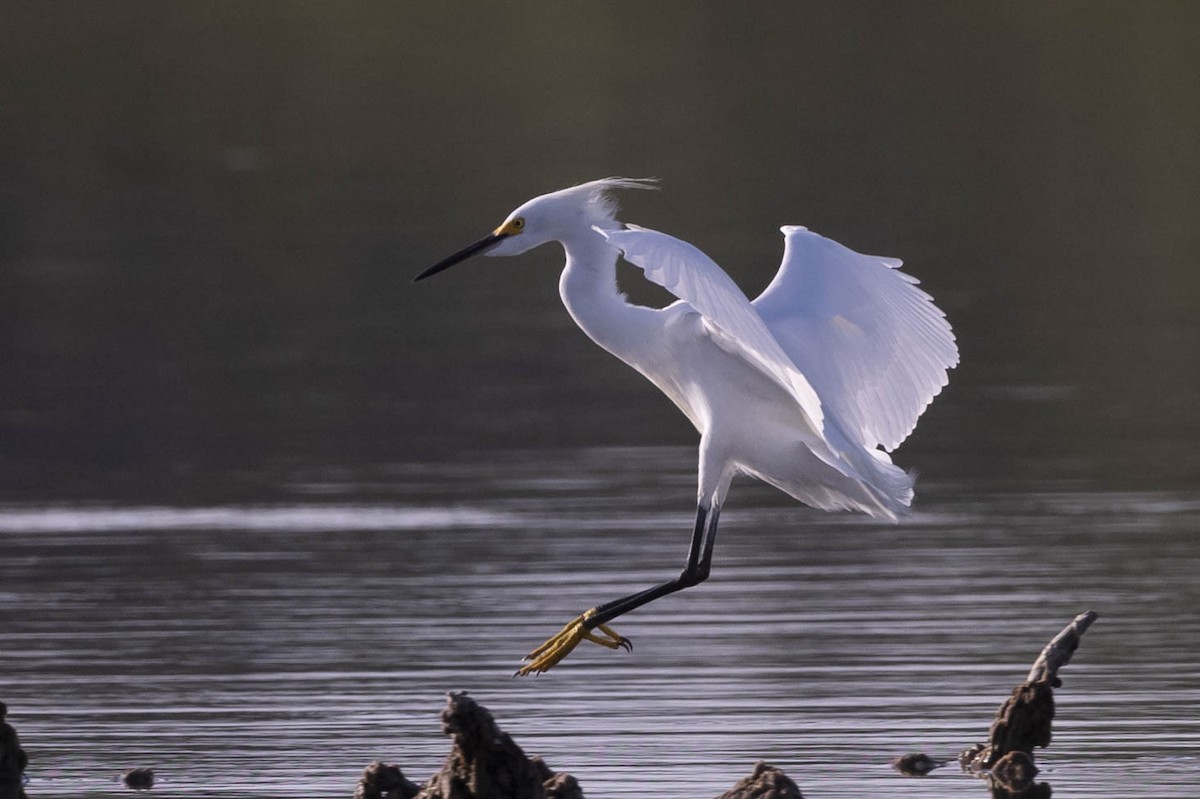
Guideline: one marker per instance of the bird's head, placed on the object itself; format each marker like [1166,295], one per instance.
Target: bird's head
[551,217]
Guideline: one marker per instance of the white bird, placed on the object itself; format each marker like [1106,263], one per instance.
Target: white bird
[806,388]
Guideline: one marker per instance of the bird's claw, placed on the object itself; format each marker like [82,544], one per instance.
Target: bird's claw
[565,640]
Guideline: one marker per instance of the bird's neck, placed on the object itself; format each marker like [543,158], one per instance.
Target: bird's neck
[588,288]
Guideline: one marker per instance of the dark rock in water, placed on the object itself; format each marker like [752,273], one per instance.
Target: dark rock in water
[484,763]
[765,782]
[384,781]
[140,779]
[968,757]
[916,764]
[556,786]
[13,759]
[1015,771]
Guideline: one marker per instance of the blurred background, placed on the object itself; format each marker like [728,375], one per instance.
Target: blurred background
[210,214]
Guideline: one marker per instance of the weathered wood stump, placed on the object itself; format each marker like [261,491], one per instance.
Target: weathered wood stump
[1022,724]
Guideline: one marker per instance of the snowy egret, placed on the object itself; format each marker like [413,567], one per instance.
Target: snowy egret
[807,388]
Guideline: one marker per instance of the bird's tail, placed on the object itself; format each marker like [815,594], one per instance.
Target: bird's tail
[888,487]
[891,486]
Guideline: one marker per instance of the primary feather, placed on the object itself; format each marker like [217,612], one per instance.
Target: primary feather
[873,345]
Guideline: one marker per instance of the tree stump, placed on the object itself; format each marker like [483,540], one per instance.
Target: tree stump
[1021,724]
[1024,720]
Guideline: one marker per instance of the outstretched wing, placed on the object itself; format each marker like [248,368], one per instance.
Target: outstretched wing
[696,279]
[871,343]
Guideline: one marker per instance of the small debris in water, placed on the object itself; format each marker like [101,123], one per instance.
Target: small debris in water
[916,764]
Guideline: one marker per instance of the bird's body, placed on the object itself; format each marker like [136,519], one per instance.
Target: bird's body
[769,436]
[803,388]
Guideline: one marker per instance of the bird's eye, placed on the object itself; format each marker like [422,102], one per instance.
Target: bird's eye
[518,223]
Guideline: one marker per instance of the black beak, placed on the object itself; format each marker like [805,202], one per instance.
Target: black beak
[483,244]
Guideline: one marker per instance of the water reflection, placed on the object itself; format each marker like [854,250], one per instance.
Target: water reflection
[281,648]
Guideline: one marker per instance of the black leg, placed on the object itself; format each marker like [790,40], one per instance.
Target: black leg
[696,570]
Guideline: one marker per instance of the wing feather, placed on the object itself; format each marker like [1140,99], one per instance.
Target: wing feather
[872,344]
[695,278]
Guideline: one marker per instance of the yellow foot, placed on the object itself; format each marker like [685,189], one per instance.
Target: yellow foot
[560,645]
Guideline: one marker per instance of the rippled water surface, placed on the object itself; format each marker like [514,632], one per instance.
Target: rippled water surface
[277,649]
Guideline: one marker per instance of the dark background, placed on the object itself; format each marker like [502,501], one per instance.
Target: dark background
[210,214]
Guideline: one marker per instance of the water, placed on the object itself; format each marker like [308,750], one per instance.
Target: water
[263,501]
[277,649]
